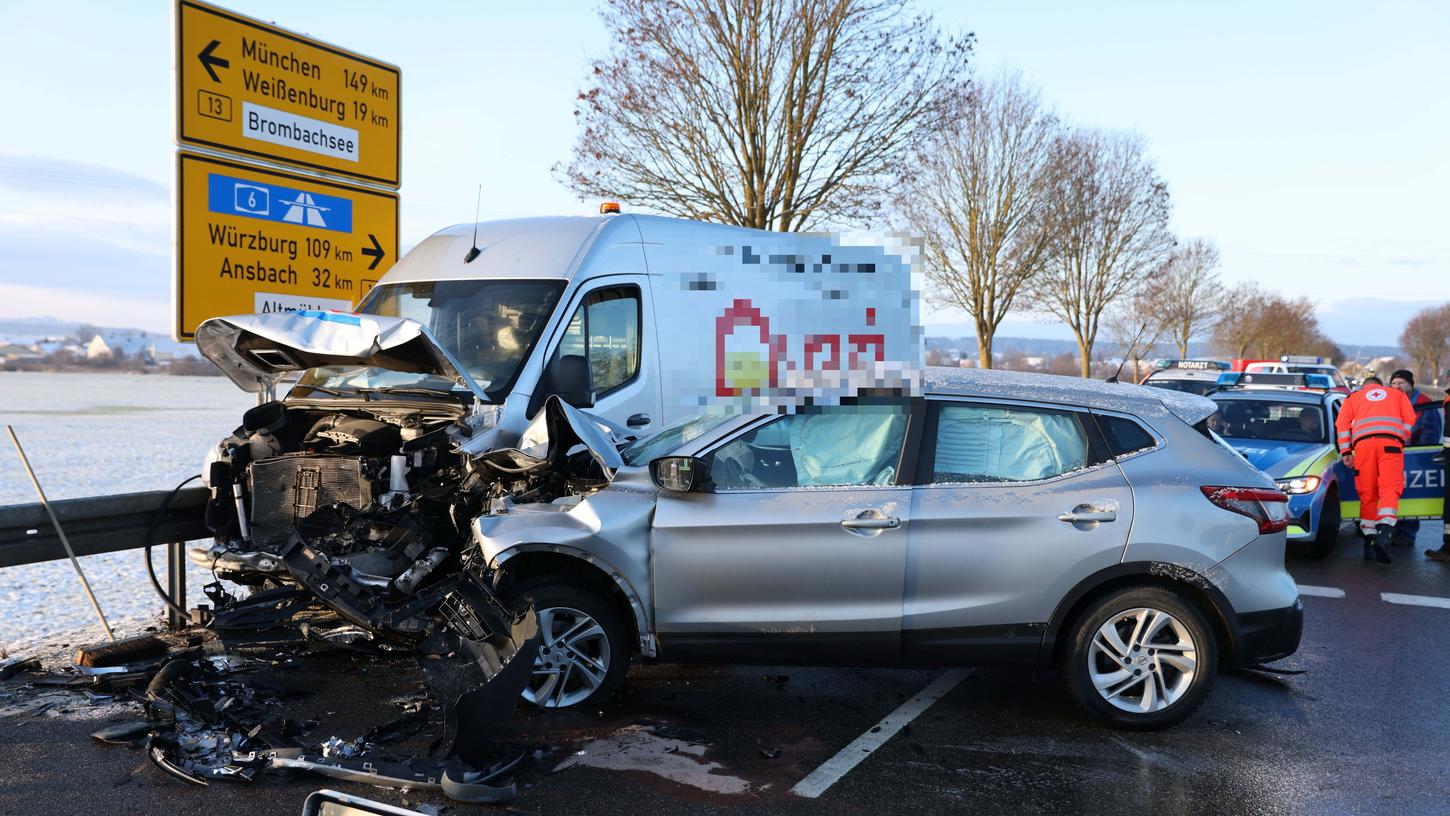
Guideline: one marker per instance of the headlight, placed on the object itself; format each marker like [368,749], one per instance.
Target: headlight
[1299,486]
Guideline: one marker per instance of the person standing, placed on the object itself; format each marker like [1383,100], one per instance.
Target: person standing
[1443,554]
[1371,432]
[1426,431]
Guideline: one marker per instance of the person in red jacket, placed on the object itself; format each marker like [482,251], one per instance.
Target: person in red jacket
[1372,429]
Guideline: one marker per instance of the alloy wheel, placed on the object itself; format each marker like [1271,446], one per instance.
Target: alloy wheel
[573,658]
[1142,660]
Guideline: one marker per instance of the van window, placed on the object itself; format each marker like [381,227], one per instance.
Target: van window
[989,443]
[833,445]
[605,328]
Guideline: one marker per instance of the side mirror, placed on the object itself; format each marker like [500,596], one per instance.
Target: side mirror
[570,378]
[679,474]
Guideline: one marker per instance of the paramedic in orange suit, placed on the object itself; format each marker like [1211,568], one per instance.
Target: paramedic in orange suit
[1371,431]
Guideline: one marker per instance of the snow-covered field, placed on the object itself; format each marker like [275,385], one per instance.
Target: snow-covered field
[93,434]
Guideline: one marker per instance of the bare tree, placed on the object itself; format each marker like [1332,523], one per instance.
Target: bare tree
[774,114]
[979,199]
[1109,224]
[1240,319]
[1426,338]
[1263,325]
[1190,292]
[1136,324]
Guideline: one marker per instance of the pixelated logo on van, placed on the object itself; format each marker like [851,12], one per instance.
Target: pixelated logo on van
[751,360]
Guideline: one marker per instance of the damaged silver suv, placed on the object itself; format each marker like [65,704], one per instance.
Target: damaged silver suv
[1002,518]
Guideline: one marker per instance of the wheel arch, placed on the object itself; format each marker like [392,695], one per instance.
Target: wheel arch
[1199,591]
[526,561]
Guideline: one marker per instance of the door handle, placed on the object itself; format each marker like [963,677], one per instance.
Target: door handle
[637,421]
[1079,516]
[872,523]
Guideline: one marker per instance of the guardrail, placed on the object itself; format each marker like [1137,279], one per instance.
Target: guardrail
[102,524]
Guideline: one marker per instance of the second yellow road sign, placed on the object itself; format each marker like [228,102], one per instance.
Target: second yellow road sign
[256,240]
[247,87]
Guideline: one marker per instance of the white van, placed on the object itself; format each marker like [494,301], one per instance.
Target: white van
[642,319]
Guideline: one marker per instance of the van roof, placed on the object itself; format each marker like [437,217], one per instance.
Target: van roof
[1119,396]
[548,248]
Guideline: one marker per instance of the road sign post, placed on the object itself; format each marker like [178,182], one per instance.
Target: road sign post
[253,89]
[252,239]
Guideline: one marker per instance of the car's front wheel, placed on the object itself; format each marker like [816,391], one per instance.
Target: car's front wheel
[584,652]
[1141,658]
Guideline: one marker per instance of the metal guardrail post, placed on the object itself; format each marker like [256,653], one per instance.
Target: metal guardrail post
[176,582]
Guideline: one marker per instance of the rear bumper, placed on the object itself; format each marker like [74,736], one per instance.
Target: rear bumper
[1269,635]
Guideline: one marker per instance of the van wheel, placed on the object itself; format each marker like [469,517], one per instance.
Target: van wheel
[1141,659]
[585,650]
[1329,522]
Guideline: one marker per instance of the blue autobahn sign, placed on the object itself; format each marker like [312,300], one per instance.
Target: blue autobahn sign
[271,202]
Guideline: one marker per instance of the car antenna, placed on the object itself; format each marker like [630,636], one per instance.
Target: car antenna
[1114,378]
[475,251]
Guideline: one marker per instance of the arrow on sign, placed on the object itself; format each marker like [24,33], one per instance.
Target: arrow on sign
[376,253]
[211,63]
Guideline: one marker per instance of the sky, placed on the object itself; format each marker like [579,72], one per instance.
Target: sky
[1308,139]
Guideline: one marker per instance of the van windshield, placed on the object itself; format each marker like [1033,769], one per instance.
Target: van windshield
[489,326]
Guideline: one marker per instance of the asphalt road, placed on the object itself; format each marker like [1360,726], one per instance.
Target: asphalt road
[1365,729]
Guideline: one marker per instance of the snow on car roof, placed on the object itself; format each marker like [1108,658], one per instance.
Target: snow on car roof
[1119,396]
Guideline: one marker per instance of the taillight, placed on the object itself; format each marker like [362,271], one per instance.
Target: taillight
[1270,508]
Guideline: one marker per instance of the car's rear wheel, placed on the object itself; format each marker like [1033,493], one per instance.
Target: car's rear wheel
[1329,523]
[1141,658]
[584,652]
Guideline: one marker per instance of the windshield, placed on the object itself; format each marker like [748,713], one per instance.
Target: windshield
[488,326]
[1330,371]
[1264,419]
[672,436]
[1199,387]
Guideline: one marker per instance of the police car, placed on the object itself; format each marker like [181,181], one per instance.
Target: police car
[1194,376]
[1283,424]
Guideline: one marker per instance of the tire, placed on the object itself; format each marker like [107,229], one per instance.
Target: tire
[1183,682]
[569,677]
[1329,523]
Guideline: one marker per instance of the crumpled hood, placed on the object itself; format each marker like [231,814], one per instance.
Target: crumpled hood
[256,351]
[1278,458]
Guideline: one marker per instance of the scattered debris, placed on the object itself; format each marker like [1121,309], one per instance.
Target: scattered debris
[13,666]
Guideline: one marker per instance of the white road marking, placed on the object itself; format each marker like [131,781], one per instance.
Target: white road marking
[849,757]
[1321,592]
[1415,600]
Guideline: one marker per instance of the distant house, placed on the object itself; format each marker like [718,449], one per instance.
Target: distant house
[12,353]
[99,348]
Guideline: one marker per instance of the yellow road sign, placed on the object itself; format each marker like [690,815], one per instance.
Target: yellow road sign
[247,87]
[254,240]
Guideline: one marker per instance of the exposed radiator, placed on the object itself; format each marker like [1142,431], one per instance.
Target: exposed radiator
[289,488]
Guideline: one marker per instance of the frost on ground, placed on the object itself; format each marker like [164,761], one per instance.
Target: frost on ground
[639,748]
[91,435]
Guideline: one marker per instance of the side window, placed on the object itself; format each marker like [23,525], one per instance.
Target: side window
[1124,435]
[605,329]
[836,445]
[987,443]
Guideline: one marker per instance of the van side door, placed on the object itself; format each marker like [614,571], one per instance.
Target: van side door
[611,324]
